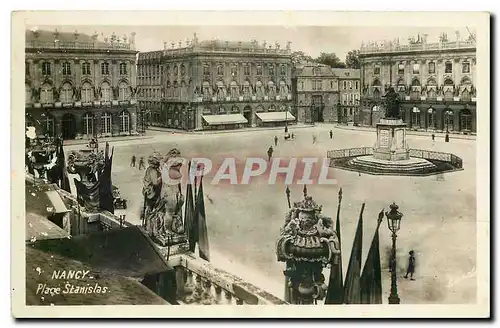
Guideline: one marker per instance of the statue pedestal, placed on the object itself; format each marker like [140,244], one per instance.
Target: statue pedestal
[391,141]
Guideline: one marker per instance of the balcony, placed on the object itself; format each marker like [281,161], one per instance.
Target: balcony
[79,104]
[34,44]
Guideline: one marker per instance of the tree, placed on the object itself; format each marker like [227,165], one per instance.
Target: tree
[352,59]
[300,57]
[330,59]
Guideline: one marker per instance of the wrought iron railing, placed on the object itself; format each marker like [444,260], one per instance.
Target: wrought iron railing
[350,152]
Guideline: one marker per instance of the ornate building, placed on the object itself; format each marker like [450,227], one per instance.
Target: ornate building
[316,93]
[78,86]
[349,89]
[436,82]
[216,85]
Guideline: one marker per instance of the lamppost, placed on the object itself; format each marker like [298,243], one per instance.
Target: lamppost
[286,120]
[448,113]
[394,223]
[339,113]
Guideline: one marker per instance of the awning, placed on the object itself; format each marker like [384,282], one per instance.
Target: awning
[57,202]
[275,116]
[224,119]
[38,227]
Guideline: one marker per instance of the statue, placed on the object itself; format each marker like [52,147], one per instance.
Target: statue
[392,104]
[308,243]
[163,199]
[87,163]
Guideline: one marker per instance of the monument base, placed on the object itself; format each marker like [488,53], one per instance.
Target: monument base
[382,166]
[391,141]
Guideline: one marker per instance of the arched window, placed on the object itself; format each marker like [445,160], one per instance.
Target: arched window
[283,69]
[272,89]
[27,93]
[205,87]
[183,69]
[283,88]
[271,70]
[105,92]
[48,125]
[234,70]
[86,68]
[124,121]
[206,69]
[259,69]
[415,83]
[465,120]
[46,94]
[376,94]
[448,82]
[272,108]
[376,83]
[316,71]
[246,89]
[448,120]
[106,123]
[66,68]
[123,91]
[123,68]
[66,95]
[449,88]
[87,92]
[221,90]
[175,71]
[220,70]
[234,89]
[259,89]
[88,124]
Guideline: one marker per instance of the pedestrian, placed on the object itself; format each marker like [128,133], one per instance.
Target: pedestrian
[331,134]
[275,141]
[433,137]
[411,266]
[447,137]
[270,153]
[141,163]
[132,162]
[293,136]
[314,138]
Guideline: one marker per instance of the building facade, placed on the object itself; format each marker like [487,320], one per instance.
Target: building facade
[78,86]
[436,82]
[350,94]
[216,85]
[316,93]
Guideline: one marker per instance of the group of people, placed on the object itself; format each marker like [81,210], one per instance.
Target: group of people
[141,162]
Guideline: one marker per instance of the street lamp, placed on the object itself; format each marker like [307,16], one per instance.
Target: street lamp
[448,113]
[394,223]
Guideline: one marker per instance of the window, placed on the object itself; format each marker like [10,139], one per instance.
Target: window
[465,67]
[123,68]
[350,85]
[66,68]
[432,68]
[331,84]
[158,69]
[183,70]
[105,68]
[246,70]
[86,69]
[220,70]
[66,93]
[206,70]
[376,71]
[46,68]
[401,69]
[105,92]
[175,71]
[415,117]
[106,123]
[448,67]
[246,89]
[416,68]
[27,68]
[46,94]
[87,91]
[124,121]
[283,69]
[344,84]
[123,91]
[357,85]
[259,70]
[302,85]
[88,124]
[319,85]
[271,70]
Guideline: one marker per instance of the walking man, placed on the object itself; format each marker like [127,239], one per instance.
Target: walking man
[314,138]
[331,134]
[132,162]
[275,141]
[141,163]
[270,153]
[433,137]
[411,266]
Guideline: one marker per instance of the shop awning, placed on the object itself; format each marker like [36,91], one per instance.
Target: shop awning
[275,116]
[57,202]
[224,119]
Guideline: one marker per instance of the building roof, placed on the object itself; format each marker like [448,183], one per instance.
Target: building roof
[351,73]
[222,44]
[39,227]
[126,252]
[120,290]
[43,199]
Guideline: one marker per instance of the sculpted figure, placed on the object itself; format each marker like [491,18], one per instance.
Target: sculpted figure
[392,104]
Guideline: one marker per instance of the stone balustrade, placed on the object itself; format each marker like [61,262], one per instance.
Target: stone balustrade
[393,47]
[199,282]
[35,44]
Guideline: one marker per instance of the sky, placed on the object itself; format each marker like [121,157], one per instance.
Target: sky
[310,39]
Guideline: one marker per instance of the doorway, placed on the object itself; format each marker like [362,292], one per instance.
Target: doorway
[247,112]
[68,126]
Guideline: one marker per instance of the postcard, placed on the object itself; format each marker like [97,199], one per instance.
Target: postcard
[210,164]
